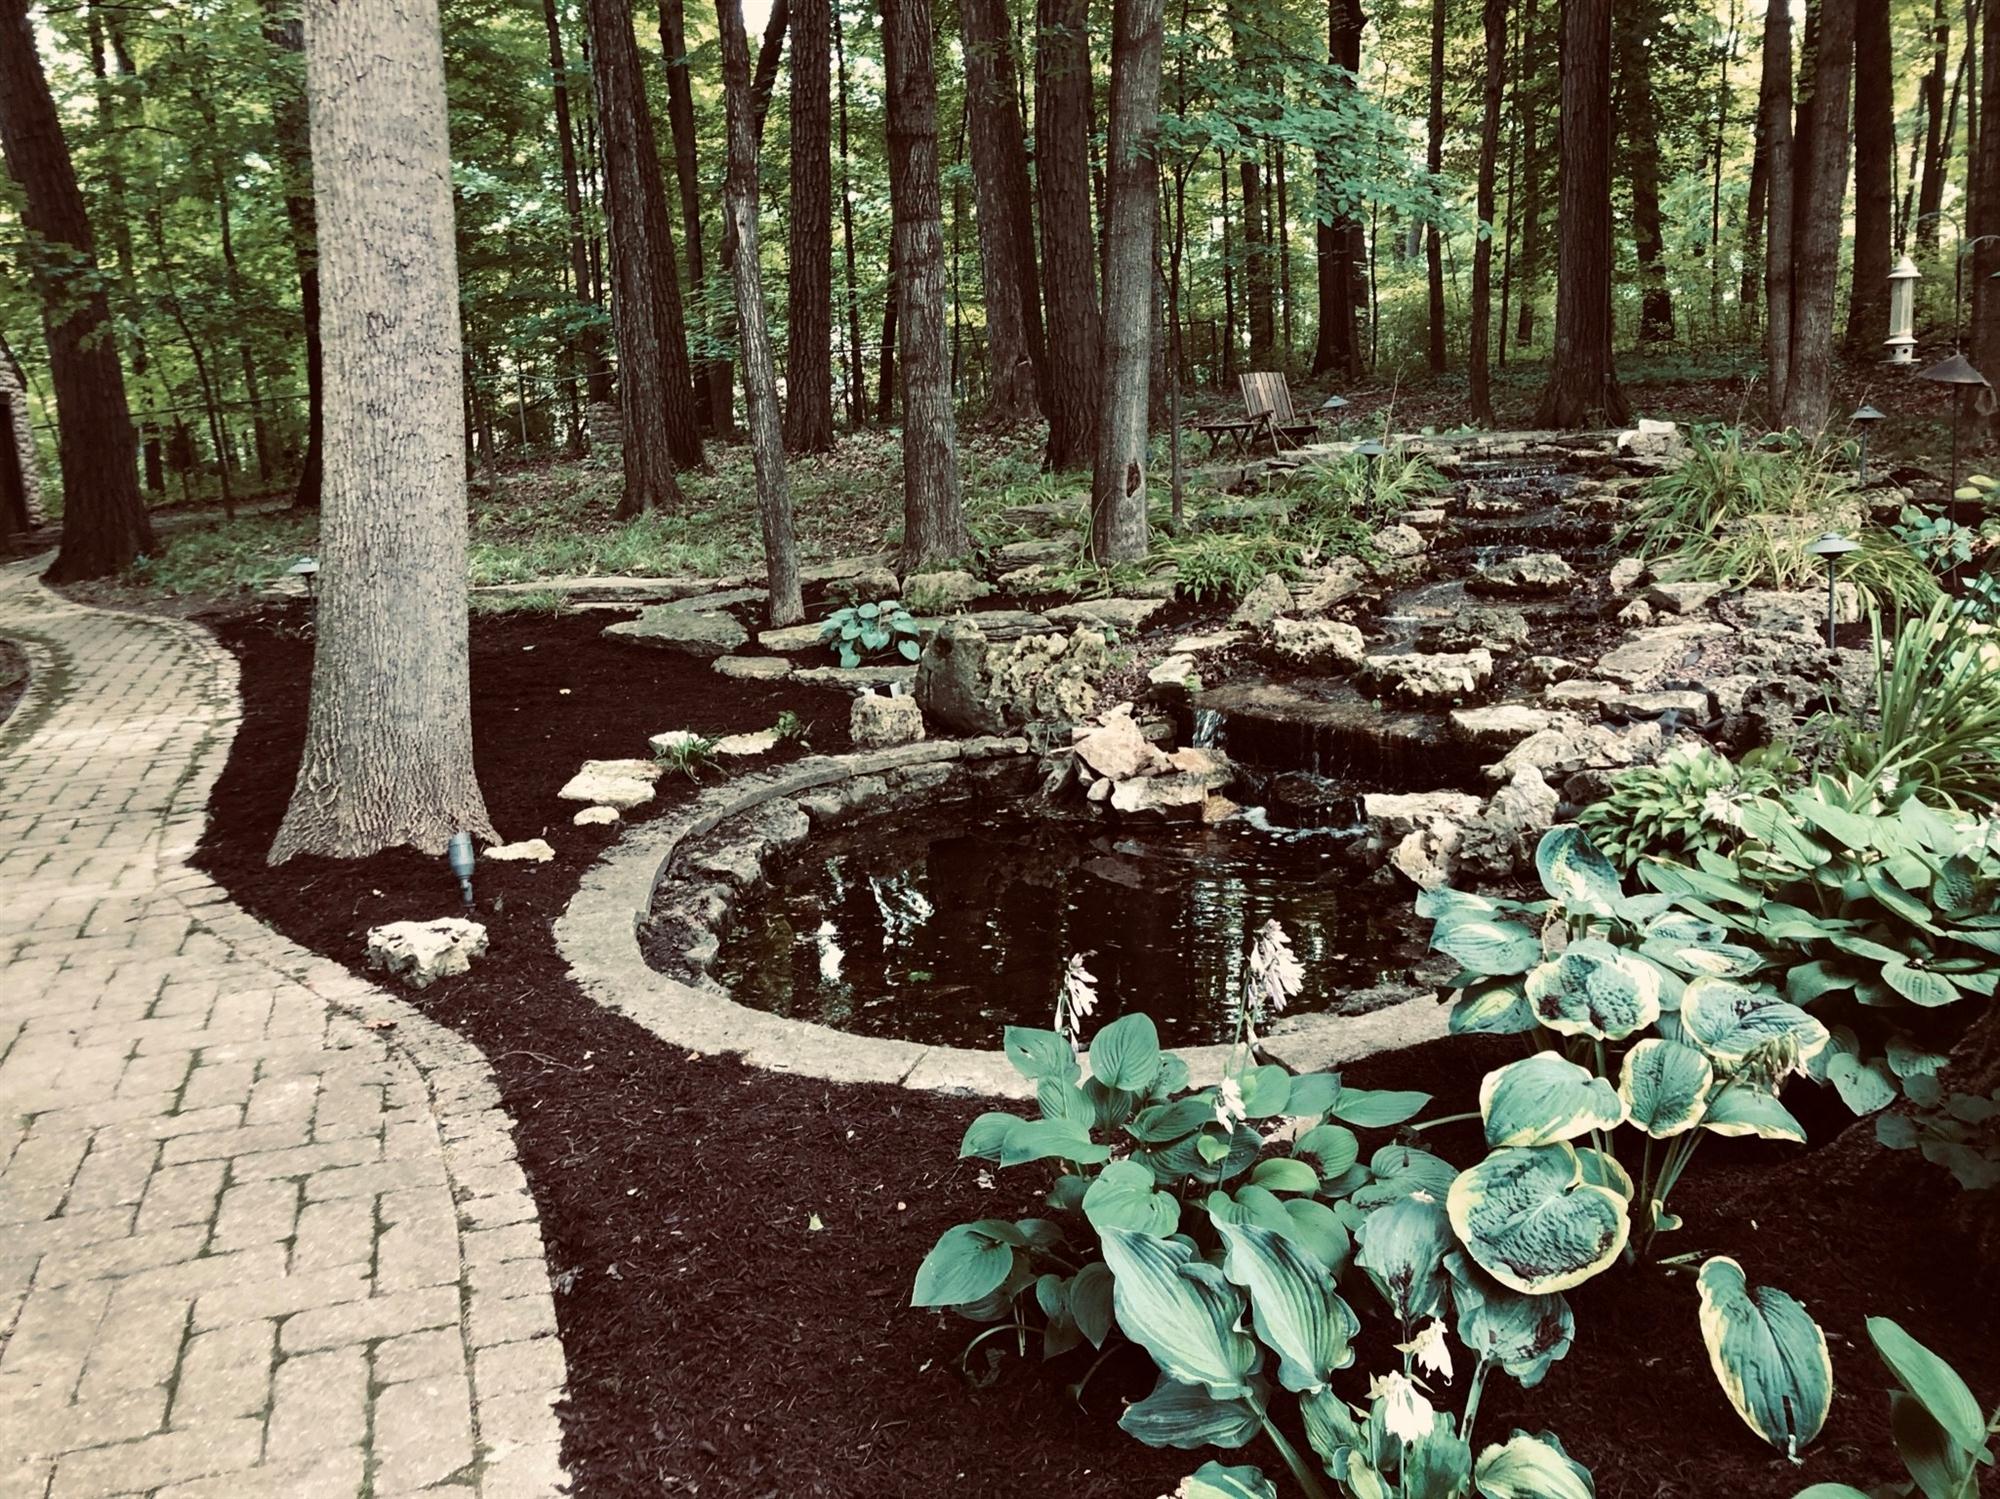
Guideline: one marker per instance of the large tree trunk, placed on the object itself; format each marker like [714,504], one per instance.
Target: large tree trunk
[857,379]
[713,392]
[388,753]
[1529,274]
[1015,350]
[1636,28]
[1495,19]
[1874,146]
[286,35]
[1583,382]
[1983,224]
[1937,141]
[104,521]
[1337,234]
[588,348]
[760,376]
[1434,165]
[933,518]
[809,261]
[1817,211]
[1774,131]
[655,385]
[1118,489]
[1069,272]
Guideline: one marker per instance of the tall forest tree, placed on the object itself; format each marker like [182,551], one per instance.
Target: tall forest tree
[1069,264]
[760,375]
[655,383]
[1874,150]
[1016,353]
[587,352]
[1819,198]
[714,395]
[1583,380]
[1983,226]
[285,31]
[388,752]
[1118,490]
[1494,23]
[1338,237]
[809,258]
[104,521]
[1434,165]
[1774,144]
[1635,26]
[933,514]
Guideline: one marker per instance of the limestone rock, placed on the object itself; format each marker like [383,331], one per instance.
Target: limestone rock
[942,592]
[1628,573]
[1428,678]
[1499,628]
[1319,645]
[1264,603]
[531,851]
[1123,615]
[1337,582]
[1198,760]
[1686,703]
[1772,611]
[876,722]
[1500,727]
[684,630]
[792,639]
[1530,574]
[422,952]
[620,784]
[1213,640]
[1569,747]
[1651,439]
[1178,796]
[673,740]
[595,817]
[1393,814]
[1651,653]
[850,678]
[1503,838]
[752,668]
[1117,748]
[1426,858]
[1175,671]
[1050,551]
[1399,542]
[1682,598]
[869,585]
[1542,671]
[1638,613]
[952,681]
[759,742]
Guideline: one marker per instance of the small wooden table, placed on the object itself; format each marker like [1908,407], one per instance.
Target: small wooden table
[1240,430]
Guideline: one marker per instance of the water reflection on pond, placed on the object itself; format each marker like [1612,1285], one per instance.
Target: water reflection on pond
[946,924]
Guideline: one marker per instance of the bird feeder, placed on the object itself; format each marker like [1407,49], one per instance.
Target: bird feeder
[1958,373]
[1902,340]
[1864,418]
[1832,545]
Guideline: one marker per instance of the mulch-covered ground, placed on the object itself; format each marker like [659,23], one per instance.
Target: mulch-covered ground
[732,1249]
[13,676]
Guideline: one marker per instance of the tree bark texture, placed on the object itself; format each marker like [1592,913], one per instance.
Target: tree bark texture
[1337,234]
[1494,16]
[857,380]
[1583,382]
[104,521]
[588,348]
[1937,145]
[1774,131]
[1818,208]
[655,384]
[1118,490]
[933,517]
[1874,146]
[1983,226]
[1636,26]
[713,380]
[292,135]
[1529,274]
[809,257]
[1434,165]
[753,337]
[1016,352]
[1069,271]
[388,753]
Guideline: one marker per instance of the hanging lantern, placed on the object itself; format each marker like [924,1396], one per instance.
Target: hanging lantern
[1902,340]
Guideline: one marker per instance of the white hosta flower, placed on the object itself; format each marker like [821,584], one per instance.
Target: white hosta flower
[1274,974]
[1429,1350]
[1075,998]
[1406,1414]
[1229,1111]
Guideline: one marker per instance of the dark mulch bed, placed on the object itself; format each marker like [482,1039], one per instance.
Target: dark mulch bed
[14,676]
[721,1344]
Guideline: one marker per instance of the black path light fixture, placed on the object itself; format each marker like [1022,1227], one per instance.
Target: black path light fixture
[1863,419]
[308,569]
[458,853]
[1957,372]
[1330,410]
[1832,546]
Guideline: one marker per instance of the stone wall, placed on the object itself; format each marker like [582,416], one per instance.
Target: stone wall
[15,428]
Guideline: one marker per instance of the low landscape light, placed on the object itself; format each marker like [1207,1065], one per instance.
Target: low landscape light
[1958,373]
[458,853]
[307,568]
[1864,417]
[1832,546]
[1333,403]
[1369,449]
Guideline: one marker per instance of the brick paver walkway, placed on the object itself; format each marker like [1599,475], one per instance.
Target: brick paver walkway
[262,1231]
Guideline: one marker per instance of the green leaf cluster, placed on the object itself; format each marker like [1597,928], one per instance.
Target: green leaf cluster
[864,631]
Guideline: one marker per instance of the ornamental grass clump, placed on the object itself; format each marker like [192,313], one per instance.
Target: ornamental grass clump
[1936,721]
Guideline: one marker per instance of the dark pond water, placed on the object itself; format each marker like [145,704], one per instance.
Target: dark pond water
[946,925]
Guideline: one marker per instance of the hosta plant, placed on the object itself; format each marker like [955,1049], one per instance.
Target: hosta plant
[1223,1230]
[1941,1434]
[1649,1031]
[879,629]
[1769,1356]
[1688,801]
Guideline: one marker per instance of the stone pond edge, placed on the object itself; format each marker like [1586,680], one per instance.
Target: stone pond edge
[597,936]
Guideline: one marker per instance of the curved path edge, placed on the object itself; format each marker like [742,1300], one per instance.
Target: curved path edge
[262,1227]
[598,937]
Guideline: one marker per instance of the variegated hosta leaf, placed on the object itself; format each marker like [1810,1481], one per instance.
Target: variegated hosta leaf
[1492,1007]
[1522,1334]
[1399,1170]
[1186,1416]
[1496,948]
[1594,989]
[1769,1356]
[1576,874]
[1729,1021]
[1532,1222]
[1181,1310]
[1665,1087]
[1545,1098]
[1213,1481]
[1531,1467]
[1601,1169]
[1747,1109]
[1863,1086]
[1402,1247]
[1297,1312]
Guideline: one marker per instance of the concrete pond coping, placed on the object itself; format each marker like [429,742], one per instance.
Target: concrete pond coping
[598,937]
